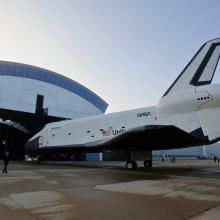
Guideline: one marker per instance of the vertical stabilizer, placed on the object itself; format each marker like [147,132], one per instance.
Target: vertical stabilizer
[200,70]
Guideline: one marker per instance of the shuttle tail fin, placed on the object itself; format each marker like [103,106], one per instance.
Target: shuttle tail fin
[200,70]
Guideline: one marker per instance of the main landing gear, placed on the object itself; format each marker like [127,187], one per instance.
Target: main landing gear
[148,163]
[134,156]
[131,165]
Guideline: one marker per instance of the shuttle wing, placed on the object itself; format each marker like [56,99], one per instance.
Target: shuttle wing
[150,137]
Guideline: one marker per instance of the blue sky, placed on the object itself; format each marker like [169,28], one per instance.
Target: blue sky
[126,51]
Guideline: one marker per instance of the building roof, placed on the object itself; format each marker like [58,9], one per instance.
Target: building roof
[31,72]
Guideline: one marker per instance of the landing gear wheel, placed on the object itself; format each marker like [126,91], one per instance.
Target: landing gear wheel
[148,163]
[131,165]
[37,159]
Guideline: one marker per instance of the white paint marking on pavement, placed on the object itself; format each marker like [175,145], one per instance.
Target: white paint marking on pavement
[47,204]
[8,202]
[212,214]
[172,188]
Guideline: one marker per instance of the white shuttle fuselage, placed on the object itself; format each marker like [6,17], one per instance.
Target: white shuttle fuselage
[85,131]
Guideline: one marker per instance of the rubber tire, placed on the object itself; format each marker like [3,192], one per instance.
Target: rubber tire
[148,163]
[131,165]
[37,161]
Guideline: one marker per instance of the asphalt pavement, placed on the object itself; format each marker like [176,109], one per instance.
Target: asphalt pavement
[107,191]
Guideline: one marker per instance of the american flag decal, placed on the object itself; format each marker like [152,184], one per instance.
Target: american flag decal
[107,132]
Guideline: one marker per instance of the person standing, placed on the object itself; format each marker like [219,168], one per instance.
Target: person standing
[6,161]
[5,156]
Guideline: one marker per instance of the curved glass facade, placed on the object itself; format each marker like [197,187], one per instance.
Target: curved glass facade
[32,72]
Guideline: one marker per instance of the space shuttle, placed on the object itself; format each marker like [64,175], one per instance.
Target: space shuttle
[186,115]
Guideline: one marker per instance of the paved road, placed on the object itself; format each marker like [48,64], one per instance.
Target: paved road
[100,191]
